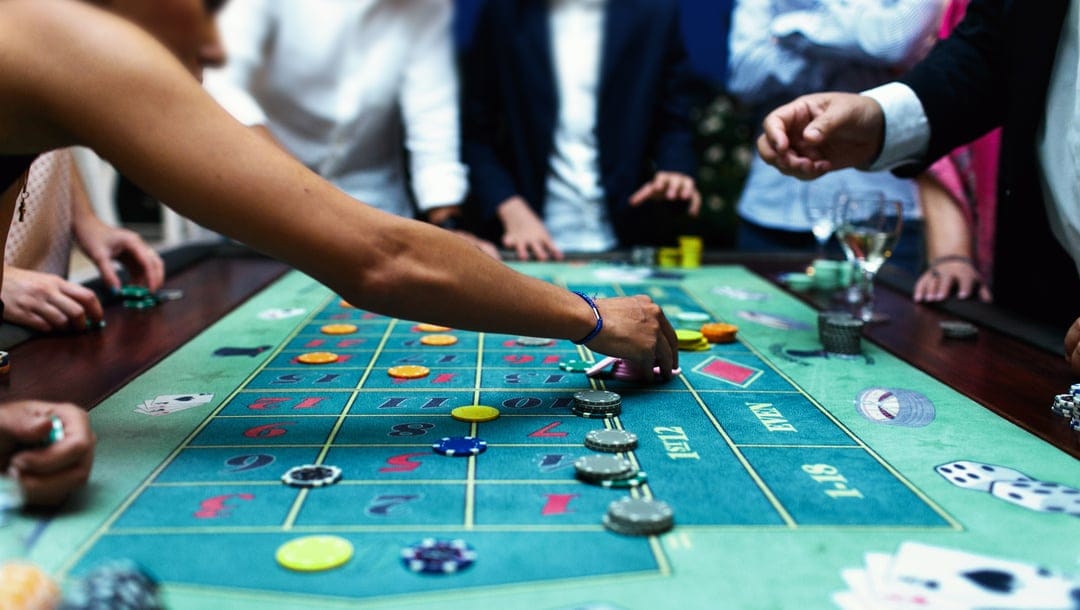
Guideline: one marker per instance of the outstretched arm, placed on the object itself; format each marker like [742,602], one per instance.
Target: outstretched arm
[138,107]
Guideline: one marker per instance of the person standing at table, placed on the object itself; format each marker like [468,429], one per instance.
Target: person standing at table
[782,48]
[575,117]
[72,73]
[364,92]
[1008,64]
[55,215]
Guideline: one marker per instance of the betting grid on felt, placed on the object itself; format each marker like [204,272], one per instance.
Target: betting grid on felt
[734,444]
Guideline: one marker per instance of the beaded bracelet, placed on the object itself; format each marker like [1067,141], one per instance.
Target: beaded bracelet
[599,320]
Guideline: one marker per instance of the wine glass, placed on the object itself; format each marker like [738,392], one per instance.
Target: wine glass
[868,231]
[823,214]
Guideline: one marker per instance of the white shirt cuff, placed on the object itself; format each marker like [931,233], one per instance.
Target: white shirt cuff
[907,132]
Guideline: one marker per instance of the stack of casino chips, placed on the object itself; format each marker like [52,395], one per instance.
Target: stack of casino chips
[691,340]
[596,404]
[1068,406]
[607,470]
[137,297]
[639,517]
[119,585]
[840,333]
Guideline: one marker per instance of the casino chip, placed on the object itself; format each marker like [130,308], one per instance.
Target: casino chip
[475,413]
[338,329]
[408,371]
[117,585]
[611,440]
[692,316]
[431,328]
[719,332]
[958,329]
[459,446]
[435,556]
[5,363]
[534,341]
[639,517]
[574,366]
[314,553]
[317,358]
[439,340]
[311,475]
[599,467]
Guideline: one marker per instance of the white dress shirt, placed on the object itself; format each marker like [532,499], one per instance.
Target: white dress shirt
[574,212]
[348,87]
[907,134]
[780,49]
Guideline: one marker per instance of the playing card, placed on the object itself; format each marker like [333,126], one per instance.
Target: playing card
[171,403]
[280,313]
[948,578]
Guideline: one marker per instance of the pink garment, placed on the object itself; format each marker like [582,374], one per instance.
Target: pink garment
[969,173]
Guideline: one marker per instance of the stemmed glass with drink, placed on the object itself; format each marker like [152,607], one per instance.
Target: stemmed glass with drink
[869,229]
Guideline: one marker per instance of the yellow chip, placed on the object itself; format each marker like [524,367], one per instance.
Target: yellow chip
[438,339]
[346,304]
[431,328]
[475,413]
[685,336]
[314,553]
[408,371]
[338,329]
[317,358]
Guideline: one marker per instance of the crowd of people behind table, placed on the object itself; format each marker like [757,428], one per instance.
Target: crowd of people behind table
[548,155]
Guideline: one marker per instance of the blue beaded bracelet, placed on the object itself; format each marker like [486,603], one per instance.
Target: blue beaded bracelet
[599,319]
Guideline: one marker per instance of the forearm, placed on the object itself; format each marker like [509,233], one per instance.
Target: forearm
[172,139]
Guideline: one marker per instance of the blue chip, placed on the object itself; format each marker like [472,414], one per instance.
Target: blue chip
[435,556]
[460,446]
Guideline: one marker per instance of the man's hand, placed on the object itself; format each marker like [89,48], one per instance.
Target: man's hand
[822,132]
[1072,345]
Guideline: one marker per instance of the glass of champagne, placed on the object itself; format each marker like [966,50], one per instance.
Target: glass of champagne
[868,231]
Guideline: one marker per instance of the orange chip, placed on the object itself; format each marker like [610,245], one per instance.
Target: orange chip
[338,329]
[408,371]
[719,332]
[346,304]
[438,339]
[317,358]
[431,328]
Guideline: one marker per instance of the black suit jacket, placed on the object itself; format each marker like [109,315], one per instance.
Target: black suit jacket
[994,70]
[510,106]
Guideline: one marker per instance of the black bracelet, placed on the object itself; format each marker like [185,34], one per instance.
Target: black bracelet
[599,320]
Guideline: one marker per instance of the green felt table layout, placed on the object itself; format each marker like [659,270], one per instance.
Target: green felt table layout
[768,449]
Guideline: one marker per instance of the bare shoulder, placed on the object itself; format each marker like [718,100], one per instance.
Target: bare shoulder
[55,57]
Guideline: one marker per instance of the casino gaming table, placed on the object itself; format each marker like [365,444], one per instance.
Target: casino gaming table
[783,463]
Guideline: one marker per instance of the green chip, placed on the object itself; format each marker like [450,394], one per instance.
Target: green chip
[145,303]
[574,366]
